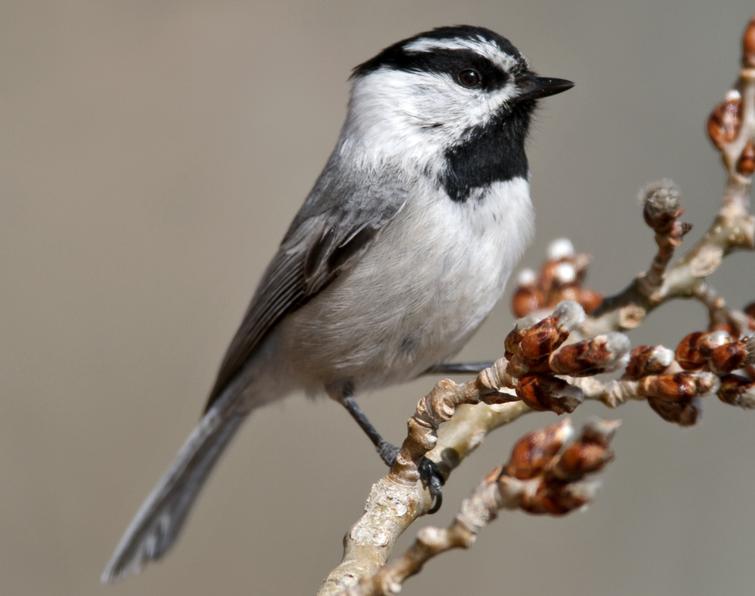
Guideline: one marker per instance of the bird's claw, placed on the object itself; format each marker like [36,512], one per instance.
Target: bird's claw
[429,473]
[431,477]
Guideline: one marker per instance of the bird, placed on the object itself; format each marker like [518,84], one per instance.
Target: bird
[398,254]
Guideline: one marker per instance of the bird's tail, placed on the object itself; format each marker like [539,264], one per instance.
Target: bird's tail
[159,520]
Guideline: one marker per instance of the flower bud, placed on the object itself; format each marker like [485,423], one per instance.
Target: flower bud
[725,120]
[560,248]
[580,459]
[684,412]
[648,360]
[535,451]
[556,500]
[590,300]
[541,392]
[730,356]
[538,341]
[737,390]
[564,273]
[676,386]
[693,351]
[590,357]
[528,348]
[526,299]
[661,205]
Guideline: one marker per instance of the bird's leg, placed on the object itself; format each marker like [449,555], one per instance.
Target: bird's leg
[428,470]
[457,368]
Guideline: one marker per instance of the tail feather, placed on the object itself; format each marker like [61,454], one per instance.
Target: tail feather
[160,519]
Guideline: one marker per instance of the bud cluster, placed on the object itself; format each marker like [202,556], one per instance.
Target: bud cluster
[560,278]
[537,353]
[716,351]
[727,118]
[546,473]
[732,359]
[669,390]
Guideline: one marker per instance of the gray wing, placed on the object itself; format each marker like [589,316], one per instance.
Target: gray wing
[333,228]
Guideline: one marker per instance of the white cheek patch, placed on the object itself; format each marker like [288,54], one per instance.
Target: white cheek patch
[479,45]
[416,116]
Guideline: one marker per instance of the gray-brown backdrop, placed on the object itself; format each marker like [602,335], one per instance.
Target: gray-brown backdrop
[152,154]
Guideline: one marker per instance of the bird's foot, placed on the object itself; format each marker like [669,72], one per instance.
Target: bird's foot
[429,473]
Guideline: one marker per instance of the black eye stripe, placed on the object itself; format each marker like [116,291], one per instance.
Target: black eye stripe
[450,62]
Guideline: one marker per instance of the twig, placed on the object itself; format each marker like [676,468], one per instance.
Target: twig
[731,127]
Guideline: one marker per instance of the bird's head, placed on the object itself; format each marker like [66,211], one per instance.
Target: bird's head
[427,94]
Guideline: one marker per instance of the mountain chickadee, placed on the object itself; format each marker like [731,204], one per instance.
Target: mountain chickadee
[398,254]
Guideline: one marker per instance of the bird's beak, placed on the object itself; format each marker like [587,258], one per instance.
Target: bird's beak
[532,86]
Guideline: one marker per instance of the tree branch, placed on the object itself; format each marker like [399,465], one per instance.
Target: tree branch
[543,475]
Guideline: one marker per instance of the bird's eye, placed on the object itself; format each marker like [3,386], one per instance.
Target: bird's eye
[469,77]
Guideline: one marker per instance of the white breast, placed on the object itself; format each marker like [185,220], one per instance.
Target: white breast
[418,294]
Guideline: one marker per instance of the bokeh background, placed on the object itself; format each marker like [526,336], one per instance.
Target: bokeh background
[151,156]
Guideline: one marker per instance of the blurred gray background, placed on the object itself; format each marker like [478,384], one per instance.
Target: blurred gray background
[151,157]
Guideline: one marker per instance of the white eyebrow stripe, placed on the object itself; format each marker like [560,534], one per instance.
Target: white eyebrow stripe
[479,45]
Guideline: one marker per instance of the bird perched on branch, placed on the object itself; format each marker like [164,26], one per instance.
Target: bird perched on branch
[400,251]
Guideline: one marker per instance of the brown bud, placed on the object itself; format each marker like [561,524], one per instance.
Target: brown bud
[725,120]
[684,412]
[737,390]
[590,300]
[580,459]
[748,45]
[648,360]
[590,357]
[688,352]
[537,342]
[511,342]
[547,279]
[746,161]
[729,356]
[558,499]
[533,452]
[560,266]
[676,386]
[528,348]
[693,351]
[541,392]
[526,300]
